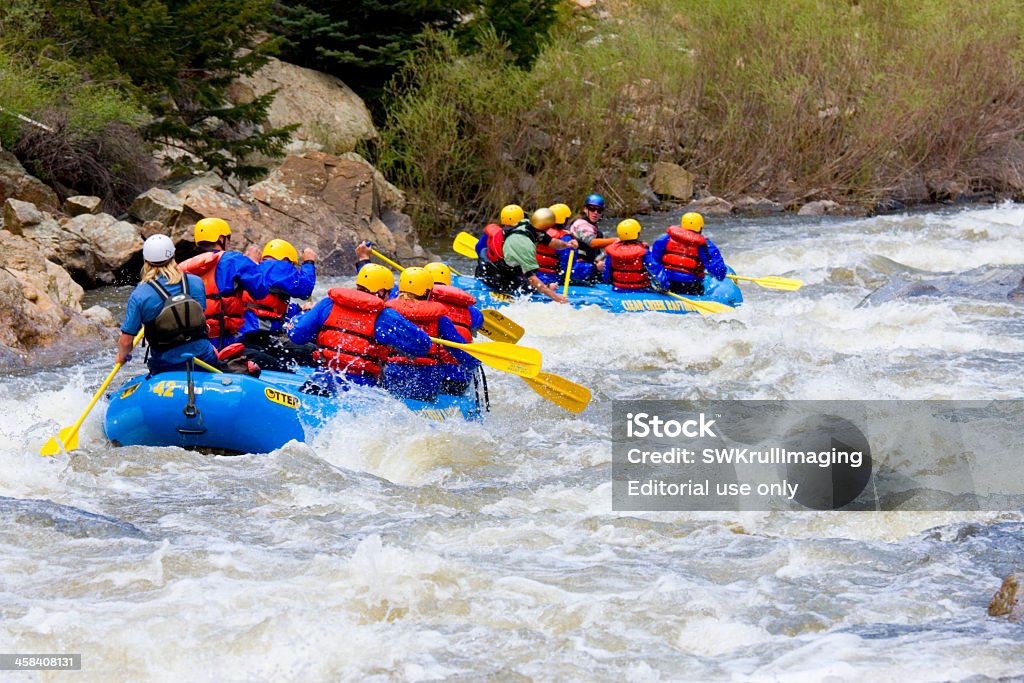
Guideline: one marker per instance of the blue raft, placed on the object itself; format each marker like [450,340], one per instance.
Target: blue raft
[723,291]
[236,413]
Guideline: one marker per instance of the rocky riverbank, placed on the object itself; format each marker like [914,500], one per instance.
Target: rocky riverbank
[53,250]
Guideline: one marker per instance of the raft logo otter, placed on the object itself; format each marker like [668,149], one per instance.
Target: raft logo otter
[284,399]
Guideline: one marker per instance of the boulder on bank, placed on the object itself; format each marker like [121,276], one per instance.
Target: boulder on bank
[671,180]
[710,206]
[757,206]
[79,204]
[16,183]
[156,204]
[329,114]
[317,200]
[40,305]
[821,207]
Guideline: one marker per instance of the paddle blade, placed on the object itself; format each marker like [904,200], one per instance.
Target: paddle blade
[69,435]
[67,440]
[560,391]
[702,307]
[773,282]
[518,360]
[499,328]
[465,245]
[785,283]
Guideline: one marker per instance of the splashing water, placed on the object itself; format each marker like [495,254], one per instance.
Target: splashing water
[392,548]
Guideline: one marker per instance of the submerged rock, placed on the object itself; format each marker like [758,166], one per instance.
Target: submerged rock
[68,520]
[990,283]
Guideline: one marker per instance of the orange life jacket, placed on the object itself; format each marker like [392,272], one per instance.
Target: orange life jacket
[425,315]
[457,303]
[547,257]
[682,251]
[225,311]
[346,338]
[627,263]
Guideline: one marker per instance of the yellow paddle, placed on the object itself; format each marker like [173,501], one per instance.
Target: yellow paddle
[386,260]
[204,364]
[519,360]
[397,267]
[773,282]
[67,439]
[568,274]
[560,391]
[499,328]
[465,245]
[702,307]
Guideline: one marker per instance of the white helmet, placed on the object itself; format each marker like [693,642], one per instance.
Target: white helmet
[158,249]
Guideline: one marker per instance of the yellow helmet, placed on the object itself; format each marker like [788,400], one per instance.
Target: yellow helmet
[416,281]
[441,273]
[282,251]
[374,277]
[562,213]
[211,229]
[628,229]
[542,219]
[692,221]
[512,214]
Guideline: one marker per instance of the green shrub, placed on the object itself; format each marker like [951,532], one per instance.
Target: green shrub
[91,142]
[840,98]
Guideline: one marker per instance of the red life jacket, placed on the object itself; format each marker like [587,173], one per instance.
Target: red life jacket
[495,241]
[225,311]
[270,308]
[425,315]
[346,338]
[627,263]
[547,257]
[457,303]
[682,251]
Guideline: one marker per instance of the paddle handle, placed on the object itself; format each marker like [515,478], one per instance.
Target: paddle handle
[568,273]
[103,387]
[386,260]
[71,438]
[204,364]
[445,342]
[99,392]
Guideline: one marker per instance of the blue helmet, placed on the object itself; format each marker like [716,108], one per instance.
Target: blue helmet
[594,200]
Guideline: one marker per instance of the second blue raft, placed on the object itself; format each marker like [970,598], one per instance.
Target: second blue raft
[722,291]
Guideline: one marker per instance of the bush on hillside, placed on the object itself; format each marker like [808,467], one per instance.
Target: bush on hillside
[90,141]
[784,99]
[177,58]
[110,161]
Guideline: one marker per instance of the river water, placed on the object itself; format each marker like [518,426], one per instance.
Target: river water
[394,549]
